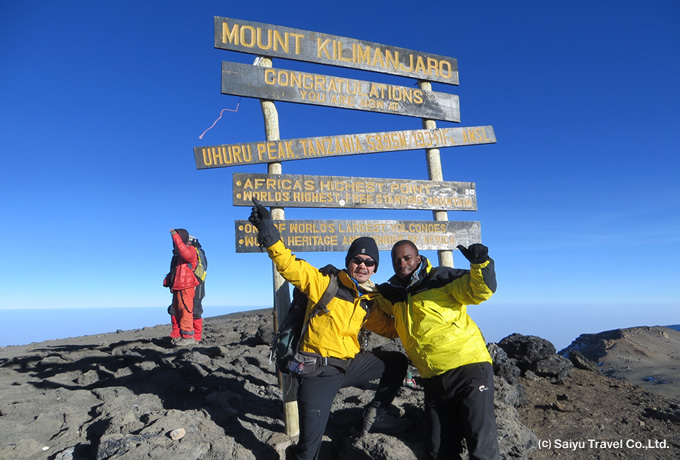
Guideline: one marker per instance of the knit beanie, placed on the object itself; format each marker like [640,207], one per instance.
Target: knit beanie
[183,234]
[363,245]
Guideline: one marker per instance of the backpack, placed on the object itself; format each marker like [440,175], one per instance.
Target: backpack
[285,346]
[201,265]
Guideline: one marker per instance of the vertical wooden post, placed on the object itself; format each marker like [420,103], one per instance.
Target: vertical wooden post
[287,384]
[434,171]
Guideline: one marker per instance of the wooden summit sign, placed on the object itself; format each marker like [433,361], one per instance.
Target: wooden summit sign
[346,93]
[302,45]
[226,155]
[337,235]
[299,191]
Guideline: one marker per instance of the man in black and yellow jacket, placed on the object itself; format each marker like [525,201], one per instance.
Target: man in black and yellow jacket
[429,306]
[334,335]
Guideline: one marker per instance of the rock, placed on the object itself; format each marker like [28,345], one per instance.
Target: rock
[502,365]
[177,434]
[66,454]
[536,355]
[379,447]
[527,348]
[508,393]
[580,361]
[555,367]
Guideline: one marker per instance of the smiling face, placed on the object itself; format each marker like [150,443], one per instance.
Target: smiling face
[405,259]
[361,267]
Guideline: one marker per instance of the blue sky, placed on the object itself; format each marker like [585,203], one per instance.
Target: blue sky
[103,102]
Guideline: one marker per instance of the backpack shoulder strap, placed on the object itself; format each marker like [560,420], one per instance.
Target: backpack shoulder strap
[320,306]
[328,294]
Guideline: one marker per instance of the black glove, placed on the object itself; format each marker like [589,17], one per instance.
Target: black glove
[261,218]
[328,269]
[258,214]
[475,253]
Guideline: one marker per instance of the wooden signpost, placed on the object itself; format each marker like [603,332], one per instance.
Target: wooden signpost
[302,45]
[298,191]
[226,155]
[346,93]
[337,235]
[274,189]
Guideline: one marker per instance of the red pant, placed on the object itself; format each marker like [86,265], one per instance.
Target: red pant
[198,328]
[183,305]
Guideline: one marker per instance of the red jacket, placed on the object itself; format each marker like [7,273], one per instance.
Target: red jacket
[184,277]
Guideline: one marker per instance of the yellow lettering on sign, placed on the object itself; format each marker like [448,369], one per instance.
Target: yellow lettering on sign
[267,39]
[392,59]
[427,228]
[321,48]
[251,37]
[362,55]
[432,68]
[377,57]
[420,65]
[474,135]
[249,241]
[410,65]
[340,54]
[227,155]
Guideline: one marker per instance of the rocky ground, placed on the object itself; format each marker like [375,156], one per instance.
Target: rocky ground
[131,395]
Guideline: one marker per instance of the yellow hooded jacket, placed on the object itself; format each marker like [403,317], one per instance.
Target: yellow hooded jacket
[431,315]
[333,334]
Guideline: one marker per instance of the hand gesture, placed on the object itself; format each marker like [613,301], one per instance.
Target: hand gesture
[259,213]
[261,218]
[476,253]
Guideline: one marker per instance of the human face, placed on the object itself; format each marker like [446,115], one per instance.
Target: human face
[405,260]
[359,271]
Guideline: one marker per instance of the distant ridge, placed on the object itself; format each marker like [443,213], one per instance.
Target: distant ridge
[646,356]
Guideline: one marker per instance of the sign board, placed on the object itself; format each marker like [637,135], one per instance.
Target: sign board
[302,45]
[337,235]
[226,155]
[297,191]
[346,93]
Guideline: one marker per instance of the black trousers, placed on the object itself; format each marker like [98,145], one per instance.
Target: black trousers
[315,394]
[460,404]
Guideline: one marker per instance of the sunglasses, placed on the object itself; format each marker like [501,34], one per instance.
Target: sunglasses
[366,262]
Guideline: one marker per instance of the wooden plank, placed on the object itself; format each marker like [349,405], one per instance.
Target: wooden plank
[300,191]
[337,235]
[221,156]
[303,45]
[346,93]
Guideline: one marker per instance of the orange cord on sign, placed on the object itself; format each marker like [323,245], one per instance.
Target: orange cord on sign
[218,118]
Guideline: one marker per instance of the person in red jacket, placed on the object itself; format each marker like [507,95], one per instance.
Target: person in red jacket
[182,283]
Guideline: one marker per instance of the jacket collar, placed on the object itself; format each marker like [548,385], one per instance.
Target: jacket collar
[367,287]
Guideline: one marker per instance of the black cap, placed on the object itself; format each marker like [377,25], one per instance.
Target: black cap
[363,245]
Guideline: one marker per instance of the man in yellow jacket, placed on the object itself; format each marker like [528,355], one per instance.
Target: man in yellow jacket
[429,306]
[333,336]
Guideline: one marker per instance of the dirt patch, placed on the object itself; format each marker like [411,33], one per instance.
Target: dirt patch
[598,417]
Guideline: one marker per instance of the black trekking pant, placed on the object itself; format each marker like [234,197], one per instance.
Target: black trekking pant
[315,394]
[460,404]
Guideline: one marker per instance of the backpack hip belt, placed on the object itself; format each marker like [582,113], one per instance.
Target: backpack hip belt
[341,364]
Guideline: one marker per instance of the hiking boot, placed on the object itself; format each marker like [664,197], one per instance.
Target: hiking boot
[185,342]
[377,420]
